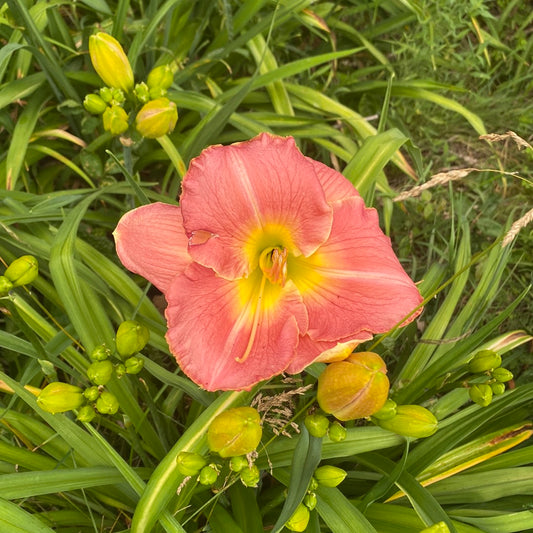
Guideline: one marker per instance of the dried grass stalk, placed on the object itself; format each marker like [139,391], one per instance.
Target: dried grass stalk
[496,137]
[516,227]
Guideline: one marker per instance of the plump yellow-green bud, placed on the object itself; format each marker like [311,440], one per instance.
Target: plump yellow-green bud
[190,463]
[236,431]
[439,527]
[329,476]
[115,120]
[94,104]
[60,397]
[502,375]
[237,463]
[317,425]
[106,94]
[22,271]
[92,393]
[120,370]
[86,413]
[299,520]
[208,475]
[337,432]
[101,353]
[310,500]
[100,372]
[133,365]
[5,285]
[484,360]
[497,388]
[142,92]
[118,97]
[480,393]
[354,388]
[156,118]
[160,77]
[107,403]
[110,61]
[131,338]
[411,421]
[250,476]
[387,411]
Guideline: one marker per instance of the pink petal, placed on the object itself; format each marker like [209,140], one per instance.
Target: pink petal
[354,283]
[249,196]
[151,241]
[210,324]
[336,186]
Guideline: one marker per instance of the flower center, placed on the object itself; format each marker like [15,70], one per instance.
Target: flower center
[273,264]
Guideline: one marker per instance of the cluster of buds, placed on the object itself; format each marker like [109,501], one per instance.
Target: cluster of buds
[319,426]
[155,114]
[59,397]
[490,377]
[21,271]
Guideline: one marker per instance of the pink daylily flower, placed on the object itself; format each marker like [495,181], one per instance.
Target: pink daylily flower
[270,262]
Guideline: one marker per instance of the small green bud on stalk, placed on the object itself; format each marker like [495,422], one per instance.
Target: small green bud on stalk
[387,411]
[250,476]
[118,96]
[329,476]
[483,361]
[337,432]
[133,365]
[190,463]
[502,375]
[313,484]
[94,104]
[5,285]
[60,397]
[497,388]
[160,77]
[110,61]
[115,120]
[208,475]
[237,463]
[156,118]
[22,271]
[92,393]
[106,94]
[299,520]
[120,370]
[86,413]
[131,338]
[411,421]
[310,500]
[100,372]
[101,353]
[236,431]
[317,425]
[481,393]
[142,92]
[107,403]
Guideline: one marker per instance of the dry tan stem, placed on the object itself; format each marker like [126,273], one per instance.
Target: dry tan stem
[516,227]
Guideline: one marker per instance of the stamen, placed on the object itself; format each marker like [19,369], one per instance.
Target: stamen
[273,263]
[255,323]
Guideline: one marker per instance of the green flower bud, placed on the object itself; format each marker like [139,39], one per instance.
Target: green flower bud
[110,61]
[250,476]
[101,353]
[118,96]
[100,372]
[439,527]
[107,403]
[354,388]
[156,118]
[142,92]
[131,338]
[115,120]
[481,393]
[337,432]
[236,431]
[411,421]
[106,94]
[497,388]
[92,393]
[5,285]
[120,370]
[313,484]
[310,500]
[484,360]
[94,104]
[86,413]
[387,411]
[59,397]
[190,463]
[160,77]
[329,476]
[317,425]
[502,375]
[237,463]
[22,271]
[208,475]
[299,520]
[133,365]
